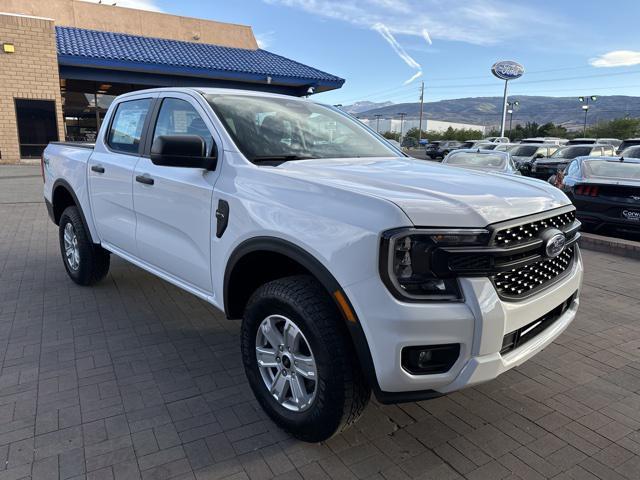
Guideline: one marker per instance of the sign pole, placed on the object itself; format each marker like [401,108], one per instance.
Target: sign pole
[504,108]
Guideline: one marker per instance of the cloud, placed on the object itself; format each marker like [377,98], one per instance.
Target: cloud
[401,52]
[265,39]
[382,29]
[616,58]
[479,22]
[427,37]
[139,4]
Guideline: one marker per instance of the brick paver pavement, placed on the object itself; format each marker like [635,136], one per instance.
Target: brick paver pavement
[136,379]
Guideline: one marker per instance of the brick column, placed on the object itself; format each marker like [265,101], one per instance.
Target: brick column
[31,72]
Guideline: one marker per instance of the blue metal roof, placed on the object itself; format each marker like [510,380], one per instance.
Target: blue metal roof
[91,48]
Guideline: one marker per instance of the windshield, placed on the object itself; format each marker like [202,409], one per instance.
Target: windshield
[272,128]
[524,151]
[609,169]
[571,152]
[482,160]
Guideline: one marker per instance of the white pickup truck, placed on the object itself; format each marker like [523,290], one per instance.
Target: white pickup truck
[353,267]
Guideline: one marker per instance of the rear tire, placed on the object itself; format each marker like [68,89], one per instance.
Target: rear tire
[86,263]
[338,395]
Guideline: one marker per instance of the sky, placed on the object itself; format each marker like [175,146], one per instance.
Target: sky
[386,48]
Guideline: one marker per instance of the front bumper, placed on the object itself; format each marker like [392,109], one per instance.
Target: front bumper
[478,324]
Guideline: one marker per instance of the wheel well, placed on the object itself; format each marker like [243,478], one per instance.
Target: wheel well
[62,198]
[253,270]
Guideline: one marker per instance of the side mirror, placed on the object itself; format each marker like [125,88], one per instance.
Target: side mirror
[187,151]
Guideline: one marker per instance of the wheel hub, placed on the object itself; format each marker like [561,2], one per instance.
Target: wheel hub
[286,363]
[71,249]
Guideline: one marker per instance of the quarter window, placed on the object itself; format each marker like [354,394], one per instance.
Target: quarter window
[127,124]
[179,117]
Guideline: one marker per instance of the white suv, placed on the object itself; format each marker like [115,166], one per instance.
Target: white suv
[353,268]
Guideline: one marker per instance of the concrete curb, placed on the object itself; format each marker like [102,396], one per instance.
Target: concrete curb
[615,246]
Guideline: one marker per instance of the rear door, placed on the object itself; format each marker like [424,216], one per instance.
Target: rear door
[111,169]
[173,205]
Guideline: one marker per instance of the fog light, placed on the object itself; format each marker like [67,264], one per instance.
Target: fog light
[430,359]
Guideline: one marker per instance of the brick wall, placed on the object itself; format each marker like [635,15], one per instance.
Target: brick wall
[31,72]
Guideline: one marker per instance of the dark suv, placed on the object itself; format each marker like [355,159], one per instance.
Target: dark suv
[440,149]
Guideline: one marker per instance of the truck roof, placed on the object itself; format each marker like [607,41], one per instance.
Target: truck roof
[212,91]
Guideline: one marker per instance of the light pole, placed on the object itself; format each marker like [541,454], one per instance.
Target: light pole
[585,107]
[402,115]
[511,106]
[377,115]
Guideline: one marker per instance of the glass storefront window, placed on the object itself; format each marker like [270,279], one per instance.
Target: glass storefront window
[85,104]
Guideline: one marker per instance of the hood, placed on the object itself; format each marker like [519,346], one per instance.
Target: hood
[432,194]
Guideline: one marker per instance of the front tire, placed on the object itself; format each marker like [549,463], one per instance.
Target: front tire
[299,359]
[85,262]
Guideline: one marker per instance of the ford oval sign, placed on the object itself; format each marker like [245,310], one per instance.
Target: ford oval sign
[507,70]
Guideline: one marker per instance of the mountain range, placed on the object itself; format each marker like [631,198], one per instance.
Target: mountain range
[487,110]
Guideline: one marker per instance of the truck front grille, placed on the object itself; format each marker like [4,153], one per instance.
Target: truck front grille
[518,234]
[525,280]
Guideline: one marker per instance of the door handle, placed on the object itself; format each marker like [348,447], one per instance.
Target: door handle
[144,179]
[97,168]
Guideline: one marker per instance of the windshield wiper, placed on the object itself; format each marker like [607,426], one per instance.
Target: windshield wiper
[280,158]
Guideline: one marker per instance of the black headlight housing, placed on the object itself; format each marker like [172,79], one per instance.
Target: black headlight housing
[407,262]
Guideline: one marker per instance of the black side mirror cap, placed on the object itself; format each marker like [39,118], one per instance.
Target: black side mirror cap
[186,151]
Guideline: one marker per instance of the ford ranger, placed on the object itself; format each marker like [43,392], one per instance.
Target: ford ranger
[353,267]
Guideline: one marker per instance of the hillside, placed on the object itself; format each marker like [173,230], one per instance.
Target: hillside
[487,110]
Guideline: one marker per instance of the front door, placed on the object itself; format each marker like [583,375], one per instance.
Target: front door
[111,175]
[173,205]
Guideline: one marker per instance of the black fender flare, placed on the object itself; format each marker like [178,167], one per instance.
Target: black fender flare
[60,183]
[320,272]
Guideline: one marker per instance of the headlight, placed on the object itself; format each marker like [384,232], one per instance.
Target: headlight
[406,262]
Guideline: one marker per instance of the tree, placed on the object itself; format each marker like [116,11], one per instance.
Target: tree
[392,136]
[551,130]
[617,128]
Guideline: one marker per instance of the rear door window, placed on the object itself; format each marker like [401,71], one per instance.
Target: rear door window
[126,128]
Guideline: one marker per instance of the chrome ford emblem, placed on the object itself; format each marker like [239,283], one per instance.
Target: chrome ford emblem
[555,244]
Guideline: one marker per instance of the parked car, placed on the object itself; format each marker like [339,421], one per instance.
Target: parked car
[497,140]
[544,168]
[610,141]
[629,142]
[485,160]
[506,147]
[582,141]
[471,144]
[525,154]
[488,146]
[606,192]
[554,140]
[633,152]
[352,267]
[590,141]
[440,149]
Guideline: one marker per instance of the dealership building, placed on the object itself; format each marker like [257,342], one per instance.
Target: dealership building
[62,62]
